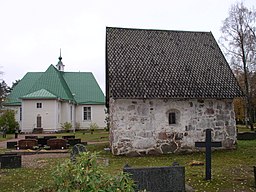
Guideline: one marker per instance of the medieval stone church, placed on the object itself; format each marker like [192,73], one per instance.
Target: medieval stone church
[165,88]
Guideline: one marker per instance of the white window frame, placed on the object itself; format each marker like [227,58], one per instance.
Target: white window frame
[87,113]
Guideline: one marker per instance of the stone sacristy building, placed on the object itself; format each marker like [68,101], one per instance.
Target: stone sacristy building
[164,88]
[46,100]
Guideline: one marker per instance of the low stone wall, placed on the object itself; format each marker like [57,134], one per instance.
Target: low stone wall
[139,127]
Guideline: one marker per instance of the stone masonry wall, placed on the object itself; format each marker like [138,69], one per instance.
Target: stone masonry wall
[141,127]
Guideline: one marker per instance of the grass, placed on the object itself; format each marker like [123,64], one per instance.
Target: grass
[8,136]
[231,170]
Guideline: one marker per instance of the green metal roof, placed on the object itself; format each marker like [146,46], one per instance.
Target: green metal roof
[84,88]
[53,81]
[22,88]
[80,87]
[42,94]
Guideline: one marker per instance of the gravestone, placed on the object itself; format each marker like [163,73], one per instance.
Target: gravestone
[76,150]
[155,179]
[9,161]
[208,144]
[68,137]
[73,141]
[27,144]
[246,136]
[50,137]
[57,143]
[11,144]
[31,137]
[42,141]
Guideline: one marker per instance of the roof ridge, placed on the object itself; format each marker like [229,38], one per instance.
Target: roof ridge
[159,30]
[42,93]
[42,83]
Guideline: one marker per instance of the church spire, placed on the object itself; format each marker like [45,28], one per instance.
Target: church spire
[60,65]
[60,58]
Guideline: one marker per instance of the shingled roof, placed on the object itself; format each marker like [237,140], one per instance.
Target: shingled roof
[144,63]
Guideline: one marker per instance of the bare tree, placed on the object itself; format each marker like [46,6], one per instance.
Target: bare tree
[239,41]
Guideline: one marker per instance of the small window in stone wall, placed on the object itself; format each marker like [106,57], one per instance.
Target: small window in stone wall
[173,116]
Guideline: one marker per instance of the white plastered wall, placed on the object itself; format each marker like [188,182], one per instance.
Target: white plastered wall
[97,116]
[48,112]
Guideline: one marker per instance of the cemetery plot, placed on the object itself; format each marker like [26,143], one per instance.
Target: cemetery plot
[57,143]
[27,144]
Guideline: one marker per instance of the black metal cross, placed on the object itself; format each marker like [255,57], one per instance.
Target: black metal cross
[208,144]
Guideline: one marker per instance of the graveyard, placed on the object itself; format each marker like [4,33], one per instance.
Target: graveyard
[231,170]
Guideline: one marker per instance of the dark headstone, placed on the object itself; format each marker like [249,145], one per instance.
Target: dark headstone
[31,137]
[68,137]
[246,136]
[76,150]
[73,141]
[10,161]
[155,179]
[50,137]
[42,141]
[11,144]
[27,144]
[57,143]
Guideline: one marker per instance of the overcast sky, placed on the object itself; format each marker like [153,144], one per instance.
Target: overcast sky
[33,31]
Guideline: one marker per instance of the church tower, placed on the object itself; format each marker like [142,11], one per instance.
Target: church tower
[60,65]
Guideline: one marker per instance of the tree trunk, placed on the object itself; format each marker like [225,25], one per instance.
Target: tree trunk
[247,95]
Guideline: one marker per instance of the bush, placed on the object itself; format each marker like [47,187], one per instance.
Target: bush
[7,119]
[93,126]
[66,126]
[87,175]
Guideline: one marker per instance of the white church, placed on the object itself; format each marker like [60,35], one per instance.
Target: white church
[44,101]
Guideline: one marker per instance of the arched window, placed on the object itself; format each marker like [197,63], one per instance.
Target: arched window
[173,116]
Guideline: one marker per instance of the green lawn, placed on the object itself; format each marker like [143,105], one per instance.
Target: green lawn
[231,170]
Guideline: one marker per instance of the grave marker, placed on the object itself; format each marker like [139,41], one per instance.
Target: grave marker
[155,179]
[9,161]
[76,150]
[208,144]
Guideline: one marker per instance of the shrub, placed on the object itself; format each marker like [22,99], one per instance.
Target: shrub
[7,119]
[66,126]
[93,126]
[77,126]
[87,175]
